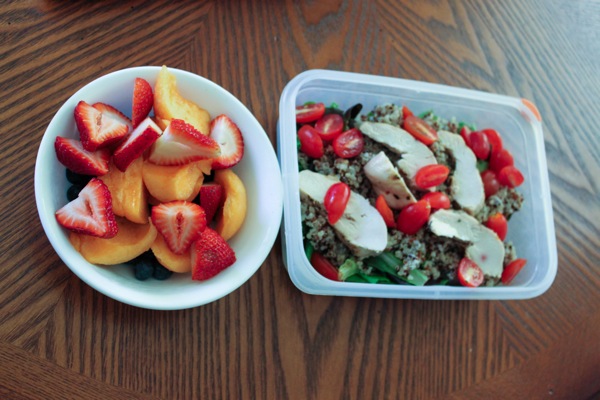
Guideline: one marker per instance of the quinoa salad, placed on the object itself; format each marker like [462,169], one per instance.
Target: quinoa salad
[397,198]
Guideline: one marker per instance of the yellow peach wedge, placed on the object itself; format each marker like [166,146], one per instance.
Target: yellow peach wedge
[131,241]
[170,104]
[168,183]
[128,193]
[173,262]
[233,213]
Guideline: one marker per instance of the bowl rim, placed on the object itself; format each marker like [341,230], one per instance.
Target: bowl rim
[127,295]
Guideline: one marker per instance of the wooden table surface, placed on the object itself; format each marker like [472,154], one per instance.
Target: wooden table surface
[267,340]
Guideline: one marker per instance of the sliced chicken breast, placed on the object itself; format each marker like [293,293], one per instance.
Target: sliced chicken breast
[361,227]
[387,181]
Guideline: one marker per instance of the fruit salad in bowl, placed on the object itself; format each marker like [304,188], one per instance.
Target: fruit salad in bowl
[147,186]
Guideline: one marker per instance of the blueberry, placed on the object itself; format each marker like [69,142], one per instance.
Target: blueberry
[78,179]
[73,192]
[143,270]
[161,273]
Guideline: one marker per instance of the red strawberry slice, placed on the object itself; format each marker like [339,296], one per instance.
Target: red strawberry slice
[98,128]
[134,146]
[227,134]
[180,222]
[143,100]
[180,144]
[211,198]
[112,112]
[71,154]
[211,254]
[91,212]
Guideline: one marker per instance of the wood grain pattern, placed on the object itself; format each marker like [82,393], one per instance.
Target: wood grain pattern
[267,340]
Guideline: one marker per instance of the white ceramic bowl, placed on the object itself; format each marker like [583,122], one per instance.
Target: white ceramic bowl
[259,170]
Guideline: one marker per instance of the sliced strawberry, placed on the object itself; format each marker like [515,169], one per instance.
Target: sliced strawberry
[142,137]
[98,128]
[143,100]
[211,198]
[91,212]
[180,144]
[227,134]
[180,222]
[112,112]
[211,254]
[71,154]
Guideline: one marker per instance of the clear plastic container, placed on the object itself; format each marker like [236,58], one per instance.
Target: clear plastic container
[531,229]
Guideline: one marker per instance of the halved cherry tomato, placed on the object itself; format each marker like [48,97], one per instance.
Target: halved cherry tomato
[420,130]
[329,126]
[437,200]
[512,269]
[510,176]
[309,112]
[478,142]
[431,175]
[498,224]
[490,183]
[386,212]
[465,133]
[349,144]
[311,143]
[494,139]
[335,201]
[324,267]
[500,159]
[413,217]
[406,112]
[469,273]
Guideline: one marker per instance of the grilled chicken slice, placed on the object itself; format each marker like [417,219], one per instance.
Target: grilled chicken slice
[466,187]
[415,154]
[387,181]
[361,227]
[484,247]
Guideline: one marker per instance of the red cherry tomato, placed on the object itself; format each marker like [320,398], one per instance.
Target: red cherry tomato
[386,212]
[500,159]
[494,139]
[478,142]
[324,267]
[490,183]
[335,201]
[349,144]
[329,126]
[431,175]
[413,217]
[437,200]
[469,273]
[420,130]
[511,270]
[498,224]
[465,133]
[311,143]
[510,176]
[309,112]
[406,112]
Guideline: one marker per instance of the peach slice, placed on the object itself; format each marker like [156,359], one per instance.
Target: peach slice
[129,196]
[131,241]
[178,182]
[171,261]
[169,104]
[231,216]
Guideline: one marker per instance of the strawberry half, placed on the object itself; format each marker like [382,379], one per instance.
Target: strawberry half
[112,112]
[98,128]
[91,212]
[142,137]
[180,144]
[227,134]
[71,154]
[211,254]
[211,198]
[143,100]
[180,222]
